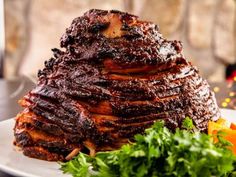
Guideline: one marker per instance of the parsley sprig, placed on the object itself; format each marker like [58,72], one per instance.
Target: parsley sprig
[158,153]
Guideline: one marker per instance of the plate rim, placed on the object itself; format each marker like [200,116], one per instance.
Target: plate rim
[12,171]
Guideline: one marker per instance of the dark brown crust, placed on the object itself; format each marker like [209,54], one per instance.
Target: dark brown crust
[41,153]
[116,76]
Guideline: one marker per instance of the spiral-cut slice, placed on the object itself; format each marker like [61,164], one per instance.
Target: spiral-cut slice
[115,76]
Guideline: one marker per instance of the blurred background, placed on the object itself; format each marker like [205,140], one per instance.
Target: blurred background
[207,29]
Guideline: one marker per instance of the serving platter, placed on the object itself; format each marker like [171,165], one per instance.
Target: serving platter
[13,162]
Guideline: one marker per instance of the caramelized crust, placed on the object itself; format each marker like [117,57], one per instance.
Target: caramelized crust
[115,76]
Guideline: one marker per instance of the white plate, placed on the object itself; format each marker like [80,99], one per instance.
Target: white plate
[17,164]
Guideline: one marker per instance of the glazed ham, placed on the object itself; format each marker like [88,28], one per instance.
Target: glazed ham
[114,76]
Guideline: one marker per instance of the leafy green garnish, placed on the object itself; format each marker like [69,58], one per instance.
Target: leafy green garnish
[158,153]
[188,124]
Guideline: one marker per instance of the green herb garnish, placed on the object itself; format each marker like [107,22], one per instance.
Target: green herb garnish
[158,153]
[188,124]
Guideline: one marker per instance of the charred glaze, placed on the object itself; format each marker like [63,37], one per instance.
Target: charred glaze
[114,76]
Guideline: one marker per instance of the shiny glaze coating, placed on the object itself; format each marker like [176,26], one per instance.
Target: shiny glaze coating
[114,76]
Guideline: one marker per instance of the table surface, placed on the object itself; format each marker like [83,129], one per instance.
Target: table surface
[13,90]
